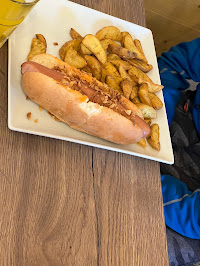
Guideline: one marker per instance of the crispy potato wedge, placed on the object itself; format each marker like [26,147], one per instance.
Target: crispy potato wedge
[134,92]
[123,73]
[148,111]
[111,69]
[105,43]
[144,67]
[109,32]
[144,94]
[139,47]
[74,59]
[94,45]
[124,33]
[73,43]
[155,101]
[84,50]
[122,52]
[138,76]
[94,65]
[87,69]
[74,34]
[152,87]
[148,121]
[129,44]
[135,101]
[117,61]
[142,143]
[154,137]
[38,46]
[104,73]
[110,81]
[126,86]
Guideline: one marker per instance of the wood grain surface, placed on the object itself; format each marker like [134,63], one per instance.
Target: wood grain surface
[68,204]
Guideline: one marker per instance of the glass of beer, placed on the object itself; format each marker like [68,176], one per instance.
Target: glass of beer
[12,13]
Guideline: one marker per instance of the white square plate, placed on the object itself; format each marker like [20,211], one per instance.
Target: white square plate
[54,19]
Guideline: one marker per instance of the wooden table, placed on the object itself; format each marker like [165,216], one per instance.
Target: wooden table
[68,204]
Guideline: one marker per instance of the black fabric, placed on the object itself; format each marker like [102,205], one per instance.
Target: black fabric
[186,167]
[186,145]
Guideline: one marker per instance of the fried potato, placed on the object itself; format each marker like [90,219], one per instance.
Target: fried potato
[105,43]
[152,87]
[122,52]
[74,34]
[123,73]
[94,45]
[74,59]
[126,86]
[104,73]
[142,143]
[110,81]
[73,43]
[38,46]
[117,61]
[144,67]
[109,32]
[129,44]
[134,92]
[144,94]
[124,33]
[139,47]
[87,69]
[156,102]
[154,137]
[135,101]
[94,65]
[111,69]
[138,76]
[148,121]
[148,111]
[84,50]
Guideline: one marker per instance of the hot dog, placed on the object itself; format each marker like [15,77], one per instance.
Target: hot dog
[81,101]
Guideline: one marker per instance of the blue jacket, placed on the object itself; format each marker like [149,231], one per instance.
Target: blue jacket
[181,206]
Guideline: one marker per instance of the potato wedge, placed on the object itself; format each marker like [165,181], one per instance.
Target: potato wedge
[87,69]
[123,73]
[128,43]
[148,111]
[94,65]
[144,67]
[155,101]
[148,121]
[135,101]
[38,46]
[94,45]
[73,43]
[74,59]
[124,33]
[110,81]
[84,50]
[104,73]
[138,76]
[111,69]
[74,34]
[139,47]
[105,43]
[134,92]
[117,61]
[144,94]
[152,87]
[142,143]
[127,87]
[122,52]
[154,137]
[109,32]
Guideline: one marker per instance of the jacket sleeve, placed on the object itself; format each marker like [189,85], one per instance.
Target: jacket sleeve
[181,63]
[181,207]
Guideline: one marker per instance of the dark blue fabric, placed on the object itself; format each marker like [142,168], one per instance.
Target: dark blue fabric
[176,67]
